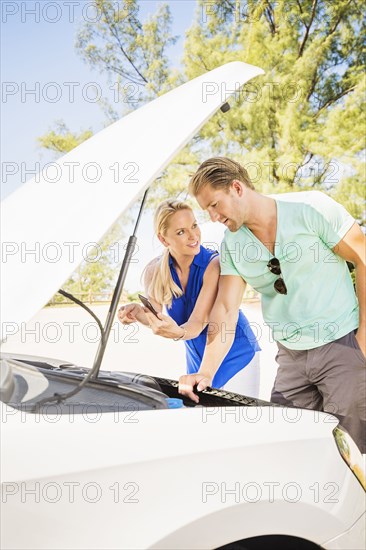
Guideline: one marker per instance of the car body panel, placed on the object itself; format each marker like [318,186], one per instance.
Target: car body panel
[59,220]
[220,468]
[187,478]
[354,537]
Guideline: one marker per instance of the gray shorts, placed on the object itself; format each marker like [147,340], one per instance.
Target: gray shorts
[330,378]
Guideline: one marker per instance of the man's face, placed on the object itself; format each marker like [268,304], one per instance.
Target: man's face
[223,206]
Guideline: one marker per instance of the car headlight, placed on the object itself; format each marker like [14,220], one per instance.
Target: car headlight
[350,454]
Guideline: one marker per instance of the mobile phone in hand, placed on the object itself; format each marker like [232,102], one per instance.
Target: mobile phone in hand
[148,305]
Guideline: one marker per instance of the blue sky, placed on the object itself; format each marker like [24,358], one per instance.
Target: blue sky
[37,52]
[37,44]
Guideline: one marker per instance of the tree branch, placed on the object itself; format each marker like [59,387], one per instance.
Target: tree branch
[114,32]
[333,100]
[297,176]
[113,68]
[320,176]
[270,18]
[306,35]
[203,63]
[299,5]
[334,28]
[314,82]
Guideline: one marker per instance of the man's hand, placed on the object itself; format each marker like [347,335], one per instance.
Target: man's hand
[188,381]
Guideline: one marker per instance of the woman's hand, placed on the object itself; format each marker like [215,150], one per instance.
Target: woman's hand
[188,381]
[164,325]
[131,313]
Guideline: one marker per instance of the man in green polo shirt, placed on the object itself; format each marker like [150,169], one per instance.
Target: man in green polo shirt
[292,248]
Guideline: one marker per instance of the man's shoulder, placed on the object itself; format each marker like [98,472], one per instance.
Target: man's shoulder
[310,204]
[317,210]
[301,197]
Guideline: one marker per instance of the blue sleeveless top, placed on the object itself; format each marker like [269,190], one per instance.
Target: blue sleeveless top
[245,344]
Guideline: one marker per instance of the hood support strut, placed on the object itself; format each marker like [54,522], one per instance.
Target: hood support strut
[105,331]
[117,292]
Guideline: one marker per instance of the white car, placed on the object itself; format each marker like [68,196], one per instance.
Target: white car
[104,460]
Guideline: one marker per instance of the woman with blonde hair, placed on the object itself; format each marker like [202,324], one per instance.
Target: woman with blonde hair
[185,279]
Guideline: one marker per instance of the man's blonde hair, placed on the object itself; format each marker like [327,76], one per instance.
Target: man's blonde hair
[219,172]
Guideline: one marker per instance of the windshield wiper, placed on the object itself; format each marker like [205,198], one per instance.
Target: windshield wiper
[104,331]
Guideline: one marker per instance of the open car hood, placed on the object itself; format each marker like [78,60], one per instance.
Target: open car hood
[73,203]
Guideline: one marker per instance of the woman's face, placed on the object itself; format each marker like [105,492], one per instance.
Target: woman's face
[183,235]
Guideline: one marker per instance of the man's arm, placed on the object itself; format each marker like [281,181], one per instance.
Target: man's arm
[353,249]
[220,337]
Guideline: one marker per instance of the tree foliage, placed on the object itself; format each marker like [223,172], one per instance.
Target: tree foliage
[62,140]
[299,126]
[97,273]
[131,51]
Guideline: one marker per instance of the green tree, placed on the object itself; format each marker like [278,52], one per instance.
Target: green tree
[298,126]
[134,55]
[95,275]
[98,271]
[130,51]
[62,140]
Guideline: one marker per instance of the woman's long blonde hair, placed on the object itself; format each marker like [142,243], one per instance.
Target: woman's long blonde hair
[162,287]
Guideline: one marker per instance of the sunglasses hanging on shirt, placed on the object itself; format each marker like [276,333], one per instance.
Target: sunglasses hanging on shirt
[275,268]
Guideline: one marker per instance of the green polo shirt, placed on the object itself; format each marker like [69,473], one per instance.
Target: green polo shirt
[320,305]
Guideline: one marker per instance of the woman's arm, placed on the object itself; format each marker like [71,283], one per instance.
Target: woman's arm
[199,317]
